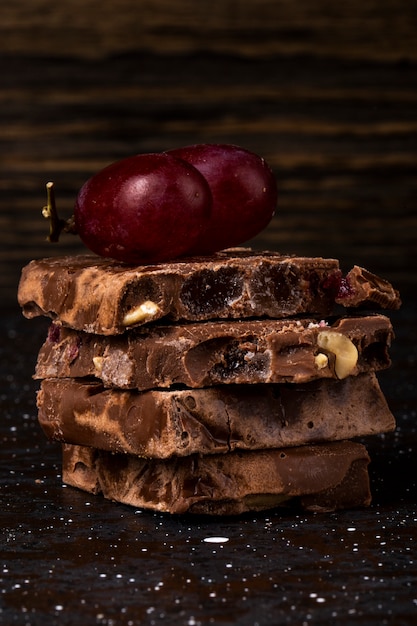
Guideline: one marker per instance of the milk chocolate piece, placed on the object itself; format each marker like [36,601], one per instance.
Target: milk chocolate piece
[362,289]
[212,353]
[322,477]
[106,297]
[161,424]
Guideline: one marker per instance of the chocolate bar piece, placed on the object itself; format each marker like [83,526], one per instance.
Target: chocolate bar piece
[161,424]
[362,289]
[102,296]
[322,477]
[212,353]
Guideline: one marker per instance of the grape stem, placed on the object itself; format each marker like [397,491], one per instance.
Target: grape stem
[56,225]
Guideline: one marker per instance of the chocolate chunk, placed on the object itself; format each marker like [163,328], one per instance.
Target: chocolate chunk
[322,477]
[366,290]
[212,353]
[161,424]
[103,296]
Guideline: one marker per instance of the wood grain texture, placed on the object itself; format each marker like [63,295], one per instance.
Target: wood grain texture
[324,91]
[372,29]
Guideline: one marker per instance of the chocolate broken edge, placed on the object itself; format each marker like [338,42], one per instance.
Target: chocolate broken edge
[102,473]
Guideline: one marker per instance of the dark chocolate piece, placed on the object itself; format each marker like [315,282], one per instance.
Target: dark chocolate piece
[161,424]
[322,477]
[103,296]
[212,353]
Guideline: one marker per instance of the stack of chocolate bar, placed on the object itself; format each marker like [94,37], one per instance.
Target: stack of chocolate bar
[215,385]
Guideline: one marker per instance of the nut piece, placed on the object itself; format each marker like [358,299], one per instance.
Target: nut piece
[98,364]
[145,311]
[346,353]
[321,360]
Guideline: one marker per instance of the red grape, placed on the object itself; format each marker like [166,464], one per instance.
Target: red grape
[143,209]
[244,193]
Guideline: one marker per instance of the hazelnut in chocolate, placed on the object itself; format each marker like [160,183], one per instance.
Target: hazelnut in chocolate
[212,385]
[213,353]
[102,296]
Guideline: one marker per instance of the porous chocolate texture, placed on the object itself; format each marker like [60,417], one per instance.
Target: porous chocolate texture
[106,297]
[211,353]
[363,289]
[161,424]
[321,477]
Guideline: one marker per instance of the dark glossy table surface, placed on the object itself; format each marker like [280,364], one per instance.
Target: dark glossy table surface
[326,92]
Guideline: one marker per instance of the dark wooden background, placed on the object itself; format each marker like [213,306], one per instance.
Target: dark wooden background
[325,91]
